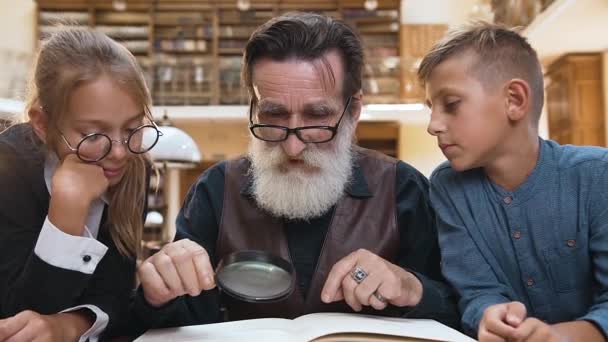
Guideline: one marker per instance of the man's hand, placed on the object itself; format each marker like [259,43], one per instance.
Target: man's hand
[365,279]
[181,267]
[31,326]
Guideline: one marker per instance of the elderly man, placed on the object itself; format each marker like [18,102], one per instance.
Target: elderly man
[356,225]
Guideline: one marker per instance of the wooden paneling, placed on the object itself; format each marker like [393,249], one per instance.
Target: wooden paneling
[575,100]
[605,88]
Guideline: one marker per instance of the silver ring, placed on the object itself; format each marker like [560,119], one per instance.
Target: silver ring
[358,274]
[379,297]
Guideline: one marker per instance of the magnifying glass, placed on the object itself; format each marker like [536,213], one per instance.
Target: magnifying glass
[255,276]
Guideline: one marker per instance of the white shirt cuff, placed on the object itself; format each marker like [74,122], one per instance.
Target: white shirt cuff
[76,253]
[101,322]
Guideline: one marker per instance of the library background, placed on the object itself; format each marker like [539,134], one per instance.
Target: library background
[190,52]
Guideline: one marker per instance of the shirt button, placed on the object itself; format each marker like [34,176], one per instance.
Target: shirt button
[530,282]
[86,258]
[516,234]
[571,243]
[507,200]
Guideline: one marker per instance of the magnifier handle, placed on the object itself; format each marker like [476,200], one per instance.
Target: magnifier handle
[223,309]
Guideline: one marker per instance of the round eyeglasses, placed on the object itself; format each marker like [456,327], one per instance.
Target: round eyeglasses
[96,146]
[307,134]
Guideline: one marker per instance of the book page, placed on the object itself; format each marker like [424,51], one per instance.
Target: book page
[309,327]
[319,324]
[264,329]
[364,337]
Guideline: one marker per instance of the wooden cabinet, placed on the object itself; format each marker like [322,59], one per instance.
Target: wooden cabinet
[191,50]
[574,100]
[382,136]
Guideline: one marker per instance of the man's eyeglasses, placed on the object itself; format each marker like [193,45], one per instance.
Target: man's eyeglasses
[96,146]
[307,134]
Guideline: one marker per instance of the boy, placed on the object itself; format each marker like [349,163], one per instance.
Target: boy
[523,222]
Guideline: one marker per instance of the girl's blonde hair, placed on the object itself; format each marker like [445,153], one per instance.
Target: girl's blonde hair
[68,59]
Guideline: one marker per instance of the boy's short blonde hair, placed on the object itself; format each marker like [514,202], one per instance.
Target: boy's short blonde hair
[502,54]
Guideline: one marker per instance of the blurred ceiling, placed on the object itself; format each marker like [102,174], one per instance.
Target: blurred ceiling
[569,26]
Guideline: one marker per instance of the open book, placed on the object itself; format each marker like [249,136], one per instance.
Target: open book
[324,327]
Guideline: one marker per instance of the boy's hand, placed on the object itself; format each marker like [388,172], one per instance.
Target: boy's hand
[534,330]
[364,279]
[499,321]
[181,267]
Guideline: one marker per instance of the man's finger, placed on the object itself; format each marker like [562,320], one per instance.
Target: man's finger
[166,268]
[202,264]
[364,291]
[153,284]
[377,300]
[337,274]
[184,265]
[348,290]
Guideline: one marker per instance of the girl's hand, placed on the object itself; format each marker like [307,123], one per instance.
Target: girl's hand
[75,185]
[31,326]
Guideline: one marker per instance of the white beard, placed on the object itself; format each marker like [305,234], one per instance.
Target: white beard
[296,192]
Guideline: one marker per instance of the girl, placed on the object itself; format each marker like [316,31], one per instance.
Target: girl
[72,198]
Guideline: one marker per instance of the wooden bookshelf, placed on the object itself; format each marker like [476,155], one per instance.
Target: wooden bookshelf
[190,50]
[416,41]
[379,31]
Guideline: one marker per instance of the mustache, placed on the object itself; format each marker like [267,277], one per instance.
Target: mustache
[312,156]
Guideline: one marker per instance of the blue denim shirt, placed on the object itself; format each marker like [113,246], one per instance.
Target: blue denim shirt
[544,244]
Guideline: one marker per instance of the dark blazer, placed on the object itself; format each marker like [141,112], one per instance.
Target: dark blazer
[26,281]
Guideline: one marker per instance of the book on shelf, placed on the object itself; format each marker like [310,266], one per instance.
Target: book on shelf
[320,327]
[66,18]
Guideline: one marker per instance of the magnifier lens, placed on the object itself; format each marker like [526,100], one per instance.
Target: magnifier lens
[255,276]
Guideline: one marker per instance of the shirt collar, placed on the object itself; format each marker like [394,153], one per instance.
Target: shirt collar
[527,189]
[51,163]
[357,187]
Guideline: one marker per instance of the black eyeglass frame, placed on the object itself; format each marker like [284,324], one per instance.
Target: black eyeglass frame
[296,130]
[112,141]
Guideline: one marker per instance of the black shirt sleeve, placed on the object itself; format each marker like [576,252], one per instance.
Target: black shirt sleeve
[198,220]
[419,252]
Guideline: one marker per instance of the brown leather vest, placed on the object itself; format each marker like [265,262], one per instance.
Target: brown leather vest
[368,223]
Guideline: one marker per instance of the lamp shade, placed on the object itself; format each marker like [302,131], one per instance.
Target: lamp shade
[174,146]
[11,106]
[154,218]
